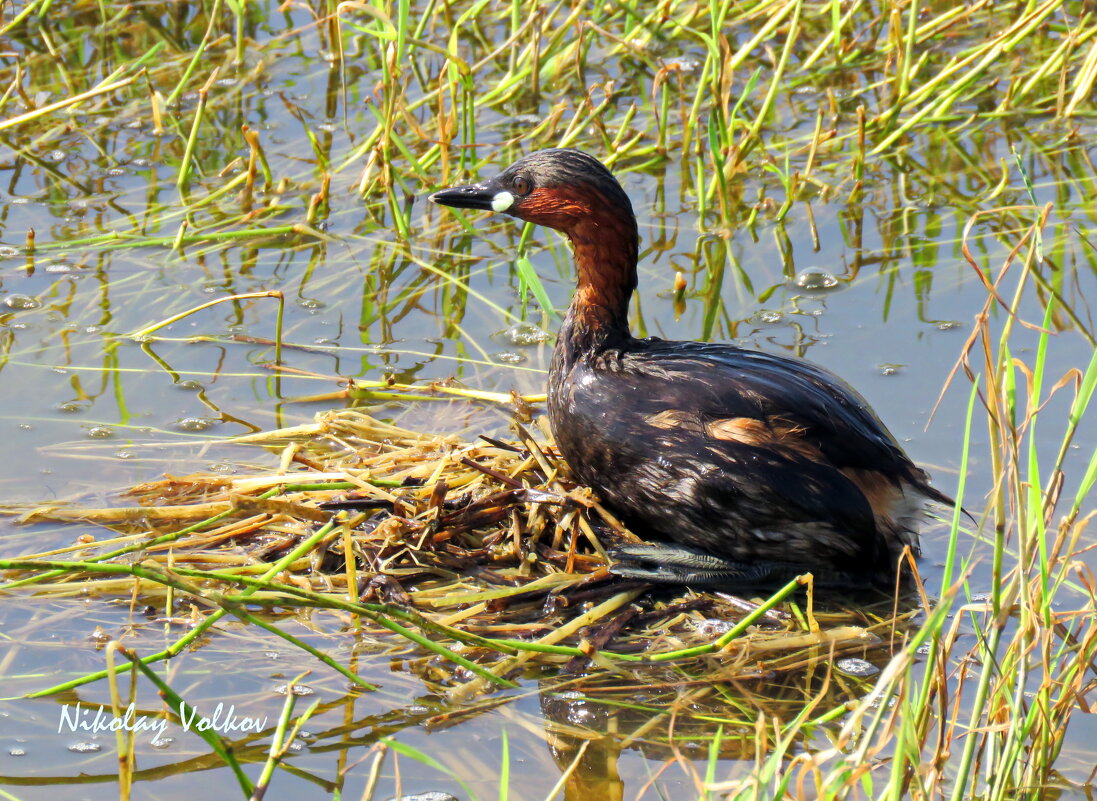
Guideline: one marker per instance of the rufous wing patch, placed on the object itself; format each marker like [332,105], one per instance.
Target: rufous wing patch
[882,494]
[773,433]
[745,430]
[669,419]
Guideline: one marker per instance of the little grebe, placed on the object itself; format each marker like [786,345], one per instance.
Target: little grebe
[758,467]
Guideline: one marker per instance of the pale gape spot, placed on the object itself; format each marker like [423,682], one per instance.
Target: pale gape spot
[502,201]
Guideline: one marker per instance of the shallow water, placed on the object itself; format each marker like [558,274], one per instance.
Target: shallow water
[86,411]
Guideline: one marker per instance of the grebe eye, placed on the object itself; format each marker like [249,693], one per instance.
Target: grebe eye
[521,184]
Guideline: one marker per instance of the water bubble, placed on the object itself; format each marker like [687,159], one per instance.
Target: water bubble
[22,302]
[890,369]
[430,795]
[312,304]
[17,752]
[100,432]
[188,384]
[769,316]
[196,423]
[299,690]
[160,743]
[226,81]
[8,252]
[58,267]
[852,666]
[56,155]
[85,748]
[948,325]
[683,63]
[72,407]
[525,334]
[815,279]
[509,357]
[115,171]
[140,162]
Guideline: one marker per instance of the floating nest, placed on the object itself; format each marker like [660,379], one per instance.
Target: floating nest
[485,552]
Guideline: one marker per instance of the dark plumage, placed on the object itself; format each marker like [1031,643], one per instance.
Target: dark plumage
[759,467]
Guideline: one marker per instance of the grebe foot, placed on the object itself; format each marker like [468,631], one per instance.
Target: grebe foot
[663,563]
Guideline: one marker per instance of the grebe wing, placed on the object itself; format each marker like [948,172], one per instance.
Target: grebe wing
[767,493]
[725,382]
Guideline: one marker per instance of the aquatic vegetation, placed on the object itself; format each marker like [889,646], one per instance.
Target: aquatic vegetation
[903,190]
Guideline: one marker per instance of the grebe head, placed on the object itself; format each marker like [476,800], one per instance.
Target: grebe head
[559,188]
[573,193]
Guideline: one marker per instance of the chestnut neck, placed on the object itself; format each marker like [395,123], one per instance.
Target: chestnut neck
[606,247]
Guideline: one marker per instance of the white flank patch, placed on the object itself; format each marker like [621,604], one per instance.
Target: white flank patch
[502,201]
